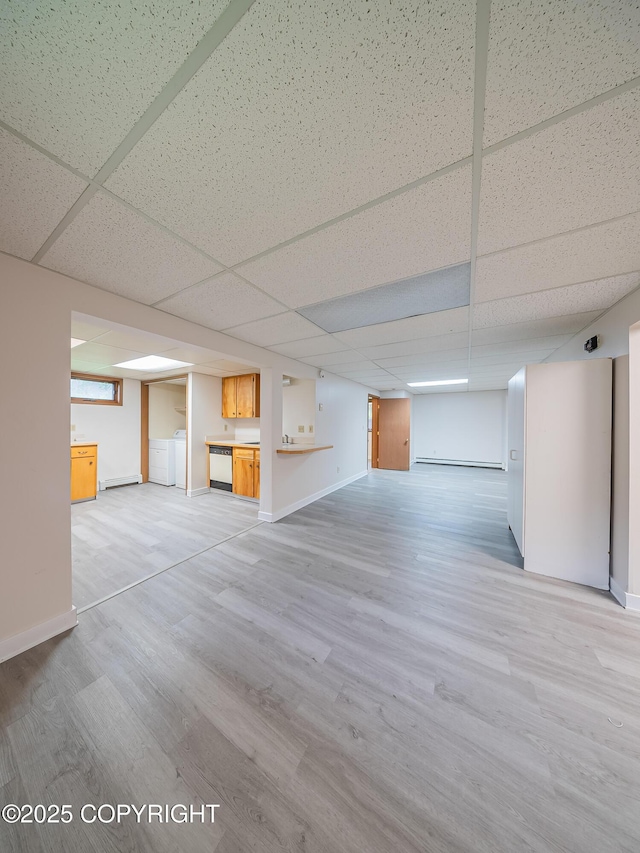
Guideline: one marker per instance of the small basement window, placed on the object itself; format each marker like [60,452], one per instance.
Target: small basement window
[97,390]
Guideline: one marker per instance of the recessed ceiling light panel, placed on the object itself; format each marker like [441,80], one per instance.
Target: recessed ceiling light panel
[438,382]
[153,362]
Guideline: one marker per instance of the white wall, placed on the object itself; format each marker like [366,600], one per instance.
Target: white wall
[299,409]
[163,400]
[298,480]
[464,426]
[620,478]
[204,418]
[36,305]
[116,429]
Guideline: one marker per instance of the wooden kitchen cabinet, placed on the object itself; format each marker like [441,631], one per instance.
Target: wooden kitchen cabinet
[241,396]
[256,474]
[84,472]
[243,471]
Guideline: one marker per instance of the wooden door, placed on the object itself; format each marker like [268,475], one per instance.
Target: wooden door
[229,396]
[394,428]
[245,396]
[83,478]
[243,468]
[256,475]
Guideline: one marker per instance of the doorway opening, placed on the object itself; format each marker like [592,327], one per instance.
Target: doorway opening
[373,434]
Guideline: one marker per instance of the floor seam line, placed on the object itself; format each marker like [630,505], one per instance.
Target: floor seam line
[106,598]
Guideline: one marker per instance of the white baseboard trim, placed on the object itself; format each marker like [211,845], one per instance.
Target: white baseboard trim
[626,599]
[194,493]
[119,481]
[25,640]
[276,516]
[465,462]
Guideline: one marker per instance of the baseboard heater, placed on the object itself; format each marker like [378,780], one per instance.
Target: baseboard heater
[466,462]
[119,481]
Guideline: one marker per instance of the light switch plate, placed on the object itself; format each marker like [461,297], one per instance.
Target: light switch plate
[300,428]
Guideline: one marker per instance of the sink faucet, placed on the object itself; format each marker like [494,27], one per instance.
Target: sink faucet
[286,438]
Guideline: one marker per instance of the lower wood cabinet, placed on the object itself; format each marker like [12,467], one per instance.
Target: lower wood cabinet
[84,472]
[246,472]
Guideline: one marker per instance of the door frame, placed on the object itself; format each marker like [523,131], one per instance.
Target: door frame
[375,433]
[144,424]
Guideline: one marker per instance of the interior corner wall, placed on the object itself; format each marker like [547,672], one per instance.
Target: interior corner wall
[164,398]
[299,480]
[116,429]
[465,427]
[35,523]
[634,467]
[620,474]
[204,417]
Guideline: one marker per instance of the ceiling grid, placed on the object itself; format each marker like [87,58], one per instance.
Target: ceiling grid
[544,89]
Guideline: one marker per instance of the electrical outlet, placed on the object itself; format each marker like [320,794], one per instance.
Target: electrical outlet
[310,427]
[73,427]
[226,427]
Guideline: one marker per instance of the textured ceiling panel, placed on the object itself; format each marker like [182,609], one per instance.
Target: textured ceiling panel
[517,346]
[344,367]
[578,172]
[458,369]
[138,341]
[77,74]
[442,323]
[219,302]
[424,229]
[314,346]
[85,331]
[112,247]
[596,252]
[546,56]
[275,330]
[36,193]
[592,296]
[535,329]
[305,111]
[422,294]
[479,362]
[92,353]
[417,345]
[326,359]
[399,361]
[354,367]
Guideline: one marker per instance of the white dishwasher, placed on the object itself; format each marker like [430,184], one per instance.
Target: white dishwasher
[162,461]
[220,467]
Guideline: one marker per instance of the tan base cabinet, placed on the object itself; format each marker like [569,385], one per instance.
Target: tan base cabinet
[241,396]
[84,472]
[246,472]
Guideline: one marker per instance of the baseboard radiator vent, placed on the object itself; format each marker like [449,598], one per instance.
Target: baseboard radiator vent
[114,482]
[467,462]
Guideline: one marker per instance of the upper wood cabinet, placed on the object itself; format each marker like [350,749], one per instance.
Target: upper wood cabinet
[241,396]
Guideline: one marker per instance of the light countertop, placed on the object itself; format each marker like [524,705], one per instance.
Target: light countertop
[224,443]
[84,444]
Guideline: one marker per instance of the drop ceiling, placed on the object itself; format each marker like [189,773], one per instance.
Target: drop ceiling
[274,169]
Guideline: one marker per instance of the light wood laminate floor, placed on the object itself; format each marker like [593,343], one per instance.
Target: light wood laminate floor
[132,532]
[373,674]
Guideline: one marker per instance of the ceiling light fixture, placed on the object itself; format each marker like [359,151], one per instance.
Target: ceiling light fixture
[438,382]
[153,362]
[75,342]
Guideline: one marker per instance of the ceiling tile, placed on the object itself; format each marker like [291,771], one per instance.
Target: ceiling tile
[86,331]
[581,171]
[592,296]
[329,358]
[78,74]
[519,345]
[344,367]
[190,355]
[232,366]
[356,367]
[422,294]
[479,361]
[220,302]
[419,345]
[114,248]
[447,370]
[424,229]
[139,341]
[313,347]
[275,330]
[306,111]
[36,193]
[600,251]
[545,57]
[92,353]
[442,323]
[424,359]
[535,329]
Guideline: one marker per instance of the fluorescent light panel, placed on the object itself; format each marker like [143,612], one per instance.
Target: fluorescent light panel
[75,342]
[438,382]
[153,362]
